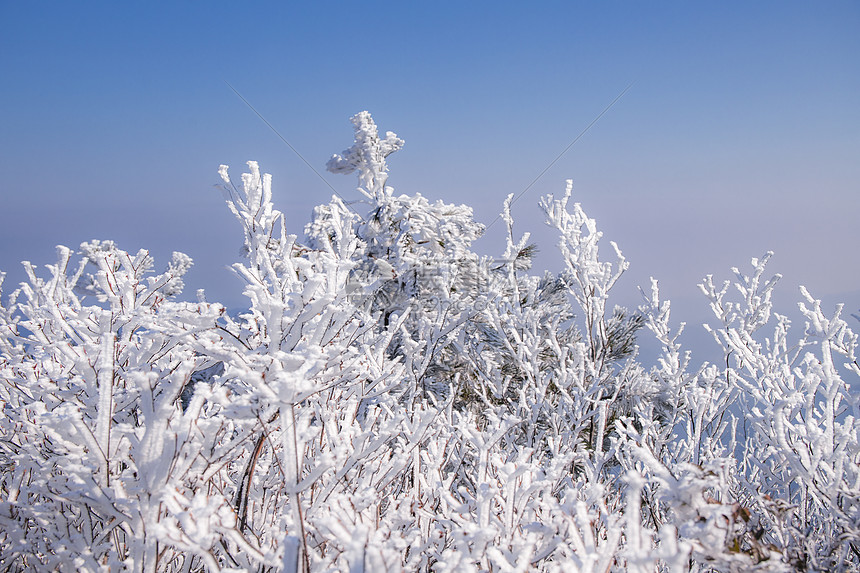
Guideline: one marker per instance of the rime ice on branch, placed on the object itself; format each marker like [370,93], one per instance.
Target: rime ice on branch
[367,155]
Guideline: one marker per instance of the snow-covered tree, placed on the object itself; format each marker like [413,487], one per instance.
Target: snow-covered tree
[392,400]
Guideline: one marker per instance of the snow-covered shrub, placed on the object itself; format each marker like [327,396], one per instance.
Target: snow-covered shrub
[95,443]
[393,401]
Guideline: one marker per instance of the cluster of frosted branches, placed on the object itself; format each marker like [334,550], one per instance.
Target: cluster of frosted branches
[392,401]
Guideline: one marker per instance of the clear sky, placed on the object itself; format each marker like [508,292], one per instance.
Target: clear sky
[741,132]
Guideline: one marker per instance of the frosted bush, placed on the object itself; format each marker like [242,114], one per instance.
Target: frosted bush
[391,400]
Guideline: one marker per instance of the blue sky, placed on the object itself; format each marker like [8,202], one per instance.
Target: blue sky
[741,132]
